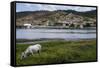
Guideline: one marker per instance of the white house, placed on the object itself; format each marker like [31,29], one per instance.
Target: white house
[27,25]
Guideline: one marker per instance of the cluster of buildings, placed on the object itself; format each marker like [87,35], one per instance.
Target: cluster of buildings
[63,24]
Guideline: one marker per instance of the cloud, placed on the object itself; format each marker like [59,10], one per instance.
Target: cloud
[28,5]
[82,9]
[35,7]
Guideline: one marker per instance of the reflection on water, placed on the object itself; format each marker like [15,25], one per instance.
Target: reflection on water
[55,33]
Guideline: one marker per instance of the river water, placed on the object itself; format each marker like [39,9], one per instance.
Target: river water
[66,34]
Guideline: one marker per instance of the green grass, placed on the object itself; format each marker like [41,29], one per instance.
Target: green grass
[59,52]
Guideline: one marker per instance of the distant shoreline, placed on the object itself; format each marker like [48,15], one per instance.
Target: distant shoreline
[54,27]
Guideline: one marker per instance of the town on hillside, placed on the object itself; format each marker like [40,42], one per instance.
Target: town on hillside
[56,19]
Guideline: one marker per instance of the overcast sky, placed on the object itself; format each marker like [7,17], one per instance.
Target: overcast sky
[35,7]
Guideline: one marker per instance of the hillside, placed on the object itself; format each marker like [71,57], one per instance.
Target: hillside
[53,18]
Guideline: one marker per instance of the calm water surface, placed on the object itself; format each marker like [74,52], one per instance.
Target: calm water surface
[55,33]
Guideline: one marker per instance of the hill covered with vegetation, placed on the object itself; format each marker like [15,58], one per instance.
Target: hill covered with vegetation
[53,18]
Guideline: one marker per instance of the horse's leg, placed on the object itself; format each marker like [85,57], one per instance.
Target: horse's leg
[32,52]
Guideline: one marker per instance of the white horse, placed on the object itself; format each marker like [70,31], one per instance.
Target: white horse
[31,49]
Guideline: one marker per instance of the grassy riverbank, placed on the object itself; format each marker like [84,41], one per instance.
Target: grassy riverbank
[59,52]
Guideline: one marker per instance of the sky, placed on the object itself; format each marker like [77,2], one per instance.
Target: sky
[20,7]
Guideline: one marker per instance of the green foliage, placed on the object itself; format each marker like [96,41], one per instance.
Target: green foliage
[87,25]
[59,52]
[72,25]
[86,19]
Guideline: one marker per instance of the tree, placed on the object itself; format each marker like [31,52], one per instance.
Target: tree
[87,25]
[72,25]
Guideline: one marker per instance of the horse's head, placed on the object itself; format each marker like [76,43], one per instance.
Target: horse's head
[23,55]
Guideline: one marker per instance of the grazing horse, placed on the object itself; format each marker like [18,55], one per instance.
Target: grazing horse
[31,49]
